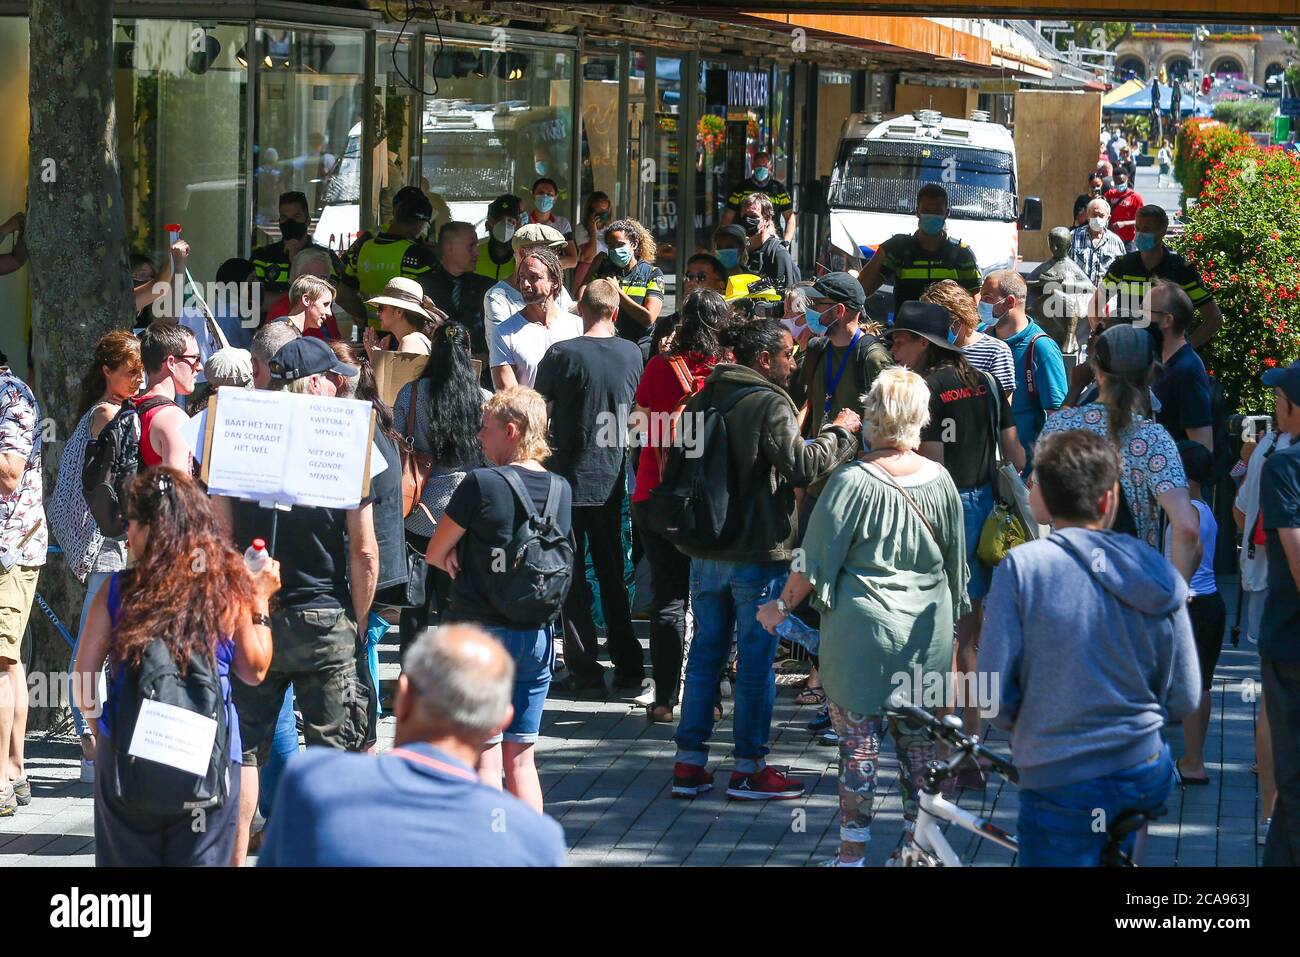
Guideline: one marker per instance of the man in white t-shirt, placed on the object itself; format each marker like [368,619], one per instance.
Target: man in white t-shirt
[504,299]
[1253,558]
[518,344]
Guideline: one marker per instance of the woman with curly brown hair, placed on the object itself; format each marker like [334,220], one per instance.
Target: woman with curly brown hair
[195,593]
[630,261]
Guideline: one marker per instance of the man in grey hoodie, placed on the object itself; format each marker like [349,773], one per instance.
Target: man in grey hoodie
[1085,683]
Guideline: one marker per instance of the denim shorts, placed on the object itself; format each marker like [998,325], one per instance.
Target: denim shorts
[533,650]
[976,506]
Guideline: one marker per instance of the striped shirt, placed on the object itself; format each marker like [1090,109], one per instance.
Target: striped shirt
[994,357]
[1095,258]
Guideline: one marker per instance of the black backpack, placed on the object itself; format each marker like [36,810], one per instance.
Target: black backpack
[694,505]
[149,786]
[538,561]
[112,460]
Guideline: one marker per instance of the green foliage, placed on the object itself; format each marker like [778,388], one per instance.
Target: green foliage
[1246,115]
[1243,235]
[1200,144]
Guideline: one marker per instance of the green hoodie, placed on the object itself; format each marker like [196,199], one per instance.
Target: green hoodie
[771,460]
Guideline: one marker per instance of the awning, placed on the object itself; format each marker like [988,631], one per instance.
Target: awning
[1121,92]
[1140,102]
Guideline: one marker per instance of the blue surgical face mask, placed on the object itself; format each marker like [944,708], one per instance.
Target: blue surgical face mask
[1121,187]
[952,336]
[729,257]
[986,313]
[1145,242]
[620,255]
[932,223]
[545,202]
[814,320]
[761,173]
[540,167]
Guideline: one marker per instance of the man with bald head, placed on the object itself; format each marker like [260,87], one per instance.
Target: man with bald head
[421,804]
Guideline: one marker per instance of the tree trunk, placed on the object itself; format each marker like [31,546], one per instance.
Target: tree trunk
[76,240]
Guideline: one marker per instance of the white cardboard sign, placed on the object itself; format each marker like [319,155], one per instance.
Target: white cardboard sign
[174,737]
[287,448]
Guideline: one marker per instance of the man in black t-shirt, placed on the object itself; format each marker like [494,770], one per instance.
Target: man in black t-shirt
[1184,386]
[455,287]
[589,384]
[329,563]
[1279,634]
[767,256]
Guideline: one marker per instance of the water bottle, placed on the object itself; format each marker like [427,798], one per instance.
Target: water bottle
[256,555]
[798,632]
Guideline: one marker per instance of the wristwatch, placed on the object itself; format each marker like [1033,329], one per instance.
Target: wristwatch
[260,619]
[782,607]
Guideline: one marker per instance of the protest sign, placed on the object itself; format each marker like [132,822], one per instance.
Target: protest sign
[280,447]
[395,369]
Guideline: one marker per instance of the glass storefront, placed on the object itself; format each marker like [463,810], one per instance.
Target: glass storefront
[601,68]
[399,110]
[180,101]
[496,117]
[309,130]
[667,170]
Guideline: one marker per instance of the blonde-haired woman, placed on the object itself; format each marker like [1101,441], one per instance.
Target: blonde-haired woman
[484,513]
[886,565]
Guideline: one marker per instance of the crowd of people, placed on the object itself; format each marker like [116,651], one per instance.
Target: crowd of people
[859,468]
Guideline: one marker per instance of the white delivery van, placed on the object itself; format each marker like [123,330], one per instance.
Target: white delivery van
[882,164]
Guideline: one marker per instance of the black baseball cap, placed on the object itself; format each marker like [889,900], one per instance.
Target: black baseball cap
[1124,349]
[413,205]
[506,204]
[840,287]
[304,357]
[928,320]
[1287,379]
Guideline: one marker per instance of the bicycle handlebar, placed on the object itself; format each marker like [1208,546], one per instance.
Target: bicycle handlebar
[900,706]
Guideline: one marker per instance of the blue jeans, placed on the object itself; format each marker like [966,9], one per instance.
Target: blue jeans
[726,596]
[533,651]
[1057,824]
[283,746]
[94,582]
[976,506]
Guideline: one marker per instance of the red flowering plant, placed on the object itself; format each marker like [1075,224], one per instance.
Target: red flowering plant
[1200,144]
[1243,236]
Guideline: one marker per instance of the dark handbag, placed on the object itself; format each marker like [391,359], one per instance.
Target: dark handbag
[416,466]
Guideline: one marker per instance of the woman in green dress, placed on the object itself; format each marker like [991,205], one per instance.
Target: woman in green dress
[885,561]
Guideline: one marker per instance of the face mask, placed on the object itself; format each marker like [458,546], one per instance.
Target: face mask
[545,202]
[986,313]
[620,256]
[761,173]
[1121,187]
[1145,242]
[932,223]
[729,258]
[952,336]
[292,229]
[1097,223]
[540,166]
[814,320]
[604,217]
[751,224]
[503,231]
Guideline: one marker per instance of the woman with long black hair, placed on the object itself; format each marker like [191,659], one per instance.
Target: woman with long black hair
[192,590]
[440,414]
[678,372]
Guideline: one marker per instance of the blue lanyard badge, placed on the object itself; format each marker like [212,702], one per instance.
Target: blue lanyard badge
[831,384]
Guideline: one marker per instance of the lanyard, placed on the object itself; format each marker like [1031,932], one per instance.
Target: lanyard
[434,763]
[831,384]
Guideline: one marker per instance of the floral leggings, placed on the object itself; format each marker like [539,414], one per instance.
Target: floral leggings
[860,736]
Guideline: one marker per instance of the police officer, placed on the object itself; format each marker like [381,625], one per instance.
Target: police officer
[762,181]
[395,251]
[914,260]
[767,256]
[496,257]
[271,263]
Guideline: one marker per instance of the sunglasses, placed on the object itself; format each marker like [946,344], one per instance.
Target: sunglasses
[194,362]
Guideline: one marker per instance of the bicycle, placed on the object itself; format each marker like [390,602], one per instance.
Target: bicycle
[63,723]
[929,846]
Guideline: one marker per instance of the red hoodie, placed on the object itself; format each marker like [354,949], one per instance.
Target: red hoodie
[659,391]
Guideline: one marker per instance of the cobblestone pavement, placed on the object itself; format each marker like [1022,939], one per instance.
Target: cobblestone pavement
[606,772]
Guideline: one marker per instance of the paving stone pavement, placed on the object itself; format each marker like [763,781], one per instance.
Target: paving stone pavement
[606,773]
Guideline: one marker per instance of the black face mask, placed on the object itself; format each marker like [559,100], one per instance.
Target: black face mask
[751,224]
[292,229]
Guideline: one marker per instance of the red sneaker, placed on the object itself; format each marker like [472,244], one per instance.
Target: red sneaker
[768,784]
[690,780]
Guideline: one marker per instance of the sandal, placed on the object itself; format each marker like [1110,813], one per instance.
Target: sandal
[811,695]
